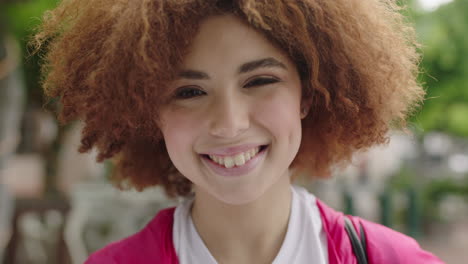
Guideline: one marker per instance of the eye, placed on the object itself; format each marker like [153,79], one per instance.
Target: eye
[261,81]
[188,92]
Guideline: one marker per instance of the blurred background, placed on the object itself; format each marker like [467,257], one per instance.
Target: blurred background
[57,206]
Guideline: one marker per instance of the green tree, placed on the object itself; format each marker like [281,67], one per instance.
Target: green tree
[443,34]
[22,17]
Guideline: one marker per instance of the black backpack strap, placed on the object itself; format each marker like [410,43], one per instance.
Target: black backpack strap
[359,244]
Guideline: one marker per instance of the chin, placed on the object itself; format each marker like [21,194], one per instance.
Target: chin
[239,197]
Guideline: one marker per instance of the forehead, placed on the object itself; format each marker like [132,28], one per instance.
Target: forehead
[226,39]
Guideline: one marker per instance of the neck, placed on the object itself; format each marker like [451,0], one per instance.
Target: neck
[247,233]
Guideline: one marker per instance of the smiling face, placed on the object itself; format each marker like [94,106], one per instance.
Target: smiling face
[233,124]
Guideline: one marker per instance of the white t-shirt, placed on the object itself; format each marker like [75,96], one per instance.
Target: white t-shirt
[305,240]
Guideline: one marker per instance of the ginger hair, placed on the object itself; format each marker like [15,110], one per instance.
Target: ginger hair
[109,63]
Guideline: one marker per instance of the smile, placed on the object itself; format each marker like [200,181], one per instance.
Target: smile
[237,160]
[238,164]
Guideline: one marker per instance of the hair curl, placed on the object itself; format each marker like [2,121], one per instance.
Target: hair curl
[110,61]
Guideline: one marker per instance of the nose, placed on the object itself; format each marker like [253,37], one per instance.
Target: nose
[229,116]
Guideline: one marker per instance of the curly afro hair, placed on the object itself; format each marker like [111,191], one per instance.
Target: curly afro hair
[110,61]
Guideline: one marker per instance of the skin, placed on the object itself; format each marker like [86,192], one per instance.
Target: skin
[241,219]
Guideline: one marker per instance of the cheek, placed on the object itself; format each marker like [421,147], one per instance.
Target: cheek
[280,114]
[178,131]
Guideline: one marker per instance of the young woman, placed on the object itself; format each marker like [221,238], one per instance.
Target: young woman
[224,103]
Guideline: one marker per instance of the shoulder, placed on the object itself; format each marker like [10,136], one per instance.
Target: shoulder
[153,242]
[384,245]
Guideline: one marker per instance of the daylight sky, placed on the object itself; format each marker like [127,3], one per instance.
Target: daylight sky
[430,5]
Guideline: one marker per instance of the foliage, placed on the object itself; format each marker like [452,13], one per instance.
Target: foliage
[22,18]
[437,190]
[445,68]
[429,193]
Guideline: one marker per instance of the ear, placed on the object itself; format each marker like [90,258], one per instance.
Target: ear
[306,104]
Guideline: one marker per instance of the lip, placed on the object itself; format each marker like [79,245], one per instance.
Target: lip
[231,151]
[235,171]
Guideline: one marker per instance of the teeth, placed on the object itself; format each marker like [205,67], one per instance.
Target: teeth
[253,152]
[228,162]
[238,160]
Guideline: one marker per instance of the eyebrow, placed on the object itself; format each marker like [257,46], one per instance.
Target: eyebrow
[262,63]
[244,68]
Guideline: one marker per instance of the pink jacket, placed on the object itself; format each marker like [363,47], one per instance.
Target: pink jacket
[153,244]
